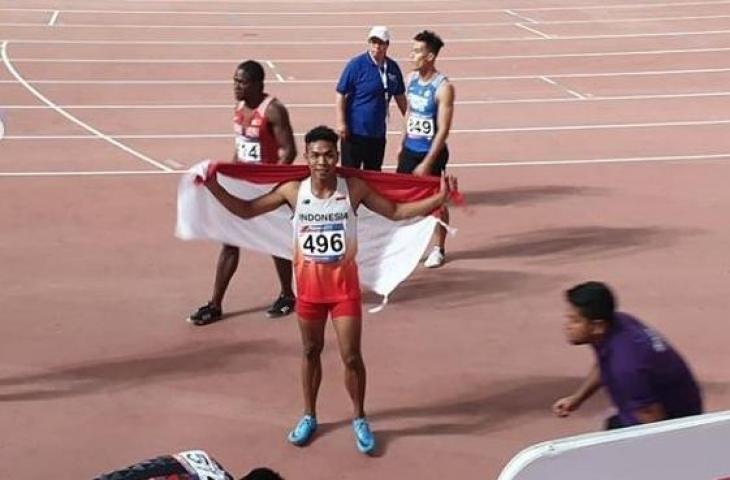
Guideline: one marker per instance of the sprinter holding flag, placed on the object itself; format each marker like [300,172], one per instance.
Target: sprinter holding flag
[325,230]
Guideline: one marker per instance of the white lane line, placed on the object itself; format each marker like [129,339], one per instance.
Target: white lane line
[588,74]
[141,136]
[521,17]
[279,76]
[576,94]
[563,88]
[331,81]
[152,106]
[174,164]
[359,42]
[529,163]
[533,30]
[88,173]
[605,126]
[471,57]
[349,13]
[181,106]
[70,117]
[540,128]
[54,17]
[402,59]
[669,158]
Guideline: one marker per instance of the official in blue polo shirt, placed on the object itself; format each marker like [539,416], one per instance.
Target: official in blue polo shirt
[364,91]
[645,377]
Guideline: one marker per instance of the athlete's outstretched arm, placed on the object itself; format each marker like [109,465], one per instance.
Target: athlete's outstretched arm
[401,211]
[250,208]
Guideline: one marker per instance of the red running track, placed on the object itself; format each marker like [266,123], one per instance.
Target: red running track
[591,144]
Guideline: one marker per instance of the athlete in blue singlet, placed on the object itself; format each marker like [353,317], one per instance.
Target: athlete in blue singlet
[428,121]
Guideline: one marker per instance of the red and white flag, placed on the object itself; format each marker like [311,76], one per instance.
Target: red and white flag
[388,251]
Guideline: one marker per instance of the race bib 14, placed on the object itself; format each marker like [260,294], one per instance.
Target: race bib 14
[247,150]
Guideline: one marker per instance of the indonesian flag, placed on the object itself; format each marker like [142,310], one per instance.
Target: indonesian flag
[388,251]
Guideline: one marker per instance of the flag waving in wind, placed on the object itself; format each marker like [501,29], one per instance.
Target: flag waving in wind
[388,250]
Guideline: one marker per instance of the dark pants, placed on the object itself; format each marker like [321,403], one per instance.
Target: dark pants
[363,152]
[408,161]
[613,423]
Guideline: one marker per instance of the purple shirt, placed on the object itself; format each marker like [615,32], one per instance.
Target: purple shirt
[639,368]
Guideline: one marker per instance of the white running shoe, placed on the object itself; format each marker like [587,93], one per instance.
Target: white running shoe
[434,259]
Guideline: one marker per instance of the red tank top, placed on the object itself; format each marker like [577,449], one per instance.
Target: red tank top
[255,142]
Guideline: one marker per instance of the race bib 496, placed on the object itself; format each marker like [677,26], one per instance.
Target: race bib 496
[322,243]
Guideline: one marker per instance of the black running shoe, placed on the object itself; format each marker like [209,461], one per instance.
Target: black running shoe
[282,306]
[205,315]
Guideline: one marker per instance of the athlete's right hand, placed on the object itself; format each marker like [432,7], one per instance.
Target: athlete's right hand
[342,131]
[211,177]
[564,406]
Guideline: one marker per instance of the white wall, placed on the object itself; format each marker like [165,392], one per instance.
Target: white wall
[692,448]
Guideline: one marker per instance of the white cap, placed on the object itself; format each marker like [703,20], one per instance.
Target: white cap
[380,32]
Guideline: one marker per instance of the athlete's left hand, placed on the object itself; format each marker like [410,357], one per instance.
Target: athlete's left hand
[449,183]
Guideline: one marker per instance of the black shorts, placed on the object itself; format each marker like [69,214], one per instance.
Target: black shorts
[363,152]
[408,161]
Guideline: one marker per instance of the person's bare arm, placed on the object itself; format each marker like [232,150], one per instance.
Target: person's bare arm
[340,110]
[402,103]
[281,195]
[404,130]
[281,127]
[564,406]
[404,134]
[445,99]
[235,154]
[401,211]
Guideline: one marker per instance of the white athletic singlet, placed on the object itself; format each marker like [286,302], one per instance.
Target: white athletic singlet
[325,245]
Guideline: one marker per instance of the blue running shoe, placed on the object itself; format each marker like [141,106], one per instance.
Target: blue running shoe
[304,430]
[364,438]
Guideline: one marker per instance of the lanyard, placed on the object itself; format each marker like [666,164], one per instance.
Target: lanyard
[384,75]
[383,71]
